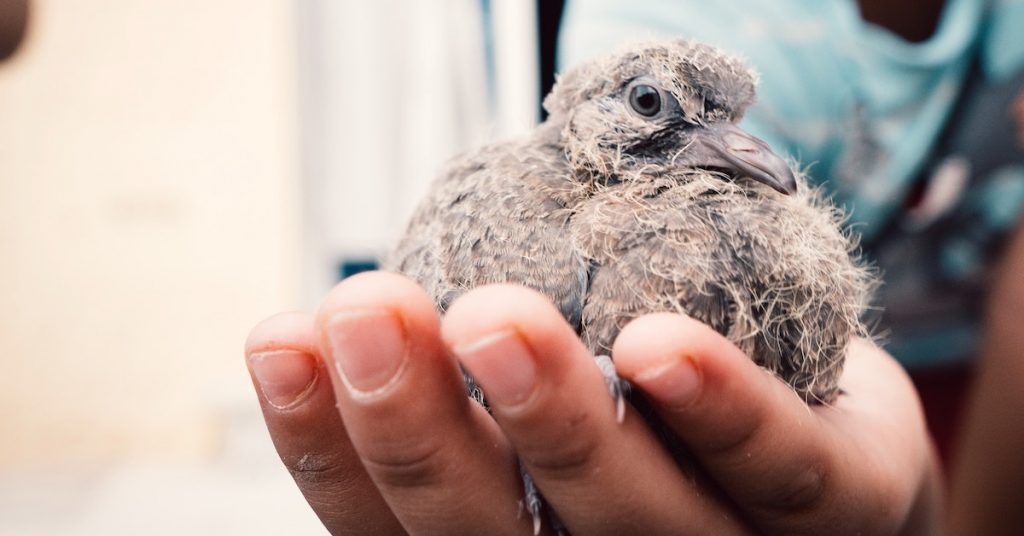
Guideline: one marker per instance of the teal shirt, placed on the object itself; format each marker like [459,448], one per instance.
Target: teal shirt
[859,107]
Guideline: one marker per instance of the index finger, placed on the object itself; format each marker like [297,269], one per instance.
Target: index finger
[438,459]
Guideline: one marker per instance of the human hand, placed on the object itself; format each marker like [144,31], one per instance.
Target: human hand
[989,470]
[406,451]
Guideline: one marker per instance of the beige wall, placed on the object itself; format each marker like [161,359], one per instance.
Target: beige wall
[148,216]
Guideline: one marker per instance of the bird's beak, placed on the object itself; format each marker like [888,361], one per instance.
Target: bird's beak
[726,146]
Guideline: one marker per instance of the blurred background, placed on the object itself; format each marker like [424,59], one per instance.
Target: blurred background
[173,172]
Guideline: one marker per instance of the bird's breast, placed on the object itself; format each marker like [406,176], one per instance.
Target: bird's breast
[693,214]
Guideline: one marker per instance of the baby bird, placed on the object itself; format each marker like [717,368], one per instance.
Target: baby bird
[640,194]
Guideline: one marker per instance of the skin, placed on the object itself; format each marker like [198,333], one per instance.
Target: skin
[396,447]
[914,21]
[989,472]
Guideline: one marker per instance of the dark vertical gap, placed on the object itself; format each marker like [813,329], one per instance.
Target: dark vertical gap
[352,266]
[549,17]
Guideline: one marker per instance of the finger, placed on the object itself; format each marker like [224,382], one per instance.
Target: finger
[783,463]
[882,420]
[439,460]
[602,477]
[298,405]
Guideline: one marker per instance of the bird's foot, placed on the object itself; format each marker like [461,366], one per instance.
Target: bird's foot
[474,391]
[617,387]
[533,502]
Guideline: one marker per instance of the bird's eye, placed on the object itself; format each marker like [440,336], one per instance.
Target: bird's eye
[645,100]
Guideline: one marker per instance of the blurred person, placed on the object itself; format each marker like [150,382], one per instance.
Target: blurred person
[892,102]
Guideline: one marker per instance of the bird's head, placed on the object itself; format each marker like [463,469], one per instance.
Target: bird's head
[660,107]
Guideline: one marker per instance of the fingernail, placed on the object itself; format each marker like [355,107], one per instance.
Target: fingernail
[502,365]
[285,376]
[674,382]
[369,348]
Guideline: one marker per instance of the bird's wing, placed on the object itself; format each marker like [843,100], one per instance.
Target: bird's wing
[771,273]
[498,215]
[650,251]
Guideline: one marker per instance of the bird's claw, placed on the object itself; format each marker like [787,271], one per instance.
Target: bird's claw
[617,387]
[473,390]
[533,503]
[531,498]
